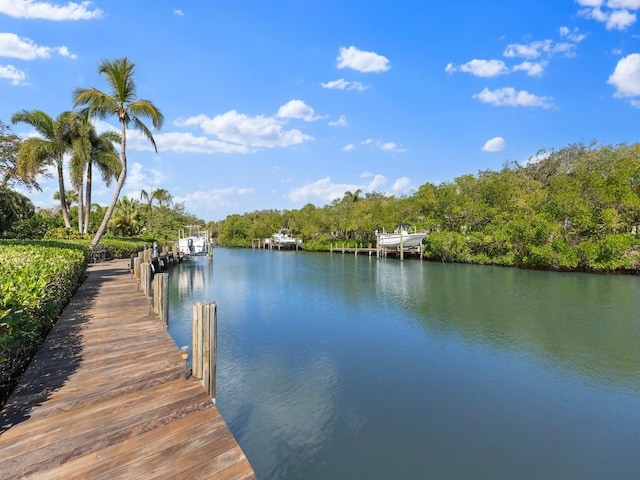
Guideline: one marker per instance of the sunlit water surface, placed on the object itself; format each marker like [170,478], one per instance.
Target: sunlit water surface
[334,366]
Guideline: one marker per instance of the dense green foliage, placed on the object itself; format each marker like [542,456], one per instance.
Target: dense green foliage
[575,208]
[37,279]
[13,207]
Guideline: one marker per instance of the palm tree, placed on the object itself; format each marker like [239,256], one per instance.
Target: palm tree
[89,148]
[38,152]
[126,218]
[123,103]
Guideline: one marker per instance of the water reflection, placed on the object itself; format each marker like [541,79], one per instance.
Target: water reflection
[336,366]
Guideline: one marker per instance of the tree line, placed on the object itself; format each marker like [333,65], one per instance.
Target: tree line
[576,208]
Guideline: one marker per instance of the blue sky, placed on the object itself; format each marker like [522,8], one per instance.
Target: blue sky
[276,104]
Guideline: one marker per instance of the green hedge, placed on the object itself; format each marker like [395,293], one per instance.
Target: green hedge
[37,279]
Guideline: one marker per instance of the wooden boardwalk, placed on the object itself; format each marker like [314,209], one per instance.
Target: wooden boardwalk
[106,397]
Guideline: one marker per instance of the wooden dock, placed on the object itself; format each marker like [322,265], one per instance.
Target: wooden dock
[106,397]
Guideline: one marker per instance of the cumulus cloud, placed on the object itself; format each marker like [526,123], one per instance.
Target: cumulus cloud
[538,48]
[626,76]
[11,73]
[139,178]
[362,61]
[536,55]
[348,148]
[178,12]
[26,49]
[215,196]
[532,69]
[241,129]
[401,185]
[480,68]
[496,144]
[297,109]
[341,122]
[184,143]
[31,9]
[615,14]
[325,190]
[342,84]
[386,146]
[511,97]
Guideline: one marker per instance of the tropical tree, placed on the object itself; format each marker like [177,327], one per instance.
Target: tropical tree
[13,207]
[88,148]
[121,102]
[126,218]
[9,147]
[36,153]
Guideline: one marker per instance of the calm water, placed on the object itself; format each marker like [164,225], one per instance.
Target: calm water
[344,367]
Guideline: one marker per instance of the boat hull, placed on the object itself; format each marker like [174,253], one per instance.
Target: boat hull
[396,240]
[193,246]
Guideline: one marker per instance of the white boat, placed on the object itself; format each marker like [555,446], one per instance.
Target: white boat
[282,239]
[194,244]
[400,238]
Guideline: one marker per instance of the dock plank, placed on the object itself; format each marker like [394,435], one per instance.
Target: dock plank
[106,397]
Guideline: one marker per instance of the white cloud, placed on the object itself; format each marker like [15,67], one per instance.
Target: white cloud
[178,12]
[626,76]
[496,144]
[341,122]
[217,196]
[259,131]
[324,190]
[480,68]
[362,61]
[297,109]
[342,84]
[533,69]
[184,143]
[386,146]
[620,20]
[17,77]
[31,9]
[573,35]
[139,178]
[401,185]
[513,98]
[26,49]
[348,148]
[615,14]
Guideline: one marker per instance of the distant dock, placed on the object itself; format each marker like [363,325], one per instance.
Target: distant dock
[106,397]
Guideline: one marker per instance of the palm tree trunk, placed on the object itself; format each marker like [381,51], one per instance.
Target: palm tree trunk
[81,207]
[121,178]
[63,199]
[87,204]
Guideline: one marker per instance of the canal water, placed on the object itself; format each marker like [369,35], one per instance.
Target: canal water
[334,366]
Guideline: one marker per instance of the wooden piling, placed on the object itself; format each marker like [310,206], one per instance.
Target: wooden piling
[161,297]
[145,278]
[204,346]
[136,267]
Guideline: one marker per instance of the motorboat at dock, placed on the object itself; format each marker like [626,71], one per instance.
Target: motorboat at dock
[401,237]
[194,244]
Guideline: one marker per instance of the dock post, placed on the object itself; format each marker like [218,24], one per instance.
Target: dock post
[205,328]
[145,278]
[401,247]
[161,297]
[136,267]
[210,251]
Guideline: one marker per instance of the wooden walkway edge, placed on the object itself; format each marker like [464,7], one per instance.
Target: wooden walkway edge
[106,397]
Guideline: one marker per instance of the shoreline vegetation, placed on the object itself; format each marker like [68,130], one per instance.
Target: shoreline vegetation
[574,209]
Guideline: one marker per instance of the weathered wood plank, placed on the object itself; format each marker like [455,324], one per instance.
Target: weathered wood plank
[106,397]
